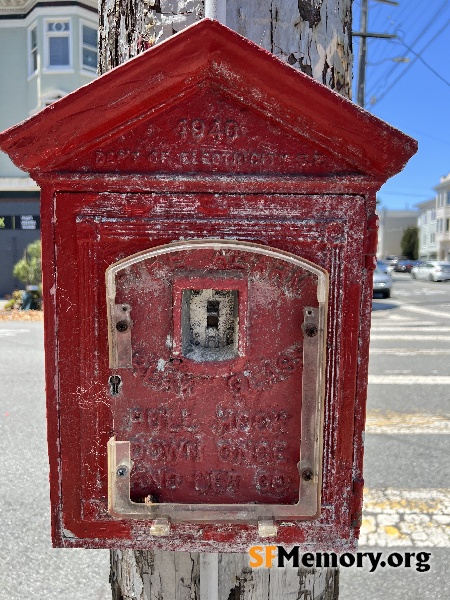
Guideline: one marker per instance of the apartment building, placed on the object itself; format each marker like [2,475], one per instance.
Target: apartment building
[47,50]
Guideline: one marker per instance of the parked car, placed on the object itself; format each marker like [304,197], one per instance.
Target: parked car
[382,283]
[404,265]
[433,270]
[383,266]
[391,260]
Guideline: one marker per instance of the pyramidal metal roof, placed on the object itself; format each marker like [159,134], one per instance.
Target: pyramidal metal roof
[205,55]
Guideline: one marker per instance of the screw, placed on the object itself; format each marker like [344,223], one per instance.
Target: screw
[307,474]
[311,329]
[121,326]
[122,471]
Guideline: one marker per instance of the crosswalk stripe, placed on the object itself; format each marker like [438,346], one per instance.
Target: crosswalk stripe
[411,338]
[418,328]
[426,311]
[383,317]
[409,379]
[417,517]
[12,332]
[409,352]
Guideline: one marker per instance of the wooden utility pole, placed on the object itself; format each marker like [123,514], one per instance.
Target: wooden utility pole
[362,55]
[315,37]
[311,35]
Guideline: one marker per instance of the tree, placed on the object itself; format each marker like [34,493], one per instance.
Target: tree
[28,270]
[410,243]
[315,37]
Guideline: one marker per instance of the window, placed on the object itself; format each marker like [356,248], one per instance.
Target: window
[433,214]
[425,218]
[88,48]
[58,44]
[32,50]
[432,238]
[448,198]
[447,225]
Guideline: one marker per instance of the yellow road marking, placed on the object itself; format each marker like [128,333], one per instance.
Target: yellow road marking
[395,422]
[396,517]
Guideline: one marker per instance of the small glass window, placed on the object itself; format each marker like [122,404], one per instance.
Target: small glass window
[58,44]
[89,48]
[33,49]
[59,52]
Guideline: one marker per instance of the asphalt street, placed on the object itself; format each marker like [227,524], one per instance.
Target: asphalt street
[406,461]
[31,569]
[407,474]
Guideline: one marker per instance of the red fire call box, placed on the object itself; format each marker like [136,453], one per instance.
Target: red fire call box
[209,235]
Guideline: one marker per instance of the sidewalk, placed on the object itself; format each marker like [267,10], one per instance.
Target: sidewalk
[19,315]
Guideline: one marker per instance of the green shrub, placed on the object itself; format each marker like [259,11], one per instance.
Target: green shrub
[15,302]
[29,268]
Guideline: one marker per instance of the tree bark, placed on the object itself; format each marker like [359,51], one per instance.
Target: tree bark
[311,35]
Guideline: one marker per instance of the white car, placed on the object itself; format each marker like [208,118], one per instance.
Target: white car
[432,270]
[382,283]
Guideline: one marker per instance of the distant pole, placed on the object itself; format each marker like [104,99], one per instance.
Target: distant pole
[362,56]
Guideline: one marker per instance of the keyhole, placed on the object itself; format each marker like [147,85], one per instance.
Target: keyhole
[115,382]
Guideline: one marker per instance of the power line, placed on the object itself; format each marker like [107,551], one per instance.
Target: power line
[419,57]
[415,59]
[431,137]
[414,42]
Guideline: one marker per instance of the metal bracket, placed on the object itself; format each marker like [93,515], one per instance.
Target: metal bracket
[120,505]
[312,397]
[263,516]
[267,529]
[120,354]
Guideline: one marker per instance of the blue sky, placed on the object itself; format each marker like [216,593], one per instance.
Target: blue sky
[411,96]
